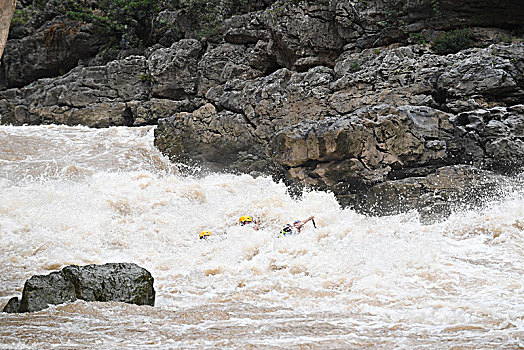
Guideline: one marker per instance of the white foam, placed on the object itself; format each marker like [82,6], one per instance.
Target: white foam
[465,272]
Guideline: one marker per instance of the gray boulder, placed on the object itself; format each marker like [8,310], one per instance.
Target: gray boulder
[12,306]
[302,36]
[227,62]
[122,282]
[173,70]
[217,140]
[437,194]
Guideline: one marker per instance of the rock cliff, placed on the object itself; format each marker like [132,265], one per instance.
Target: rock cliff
[391,105]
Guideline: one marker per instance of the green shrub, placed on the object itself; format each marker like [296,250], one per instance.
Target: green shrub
[146,78]
[20,17]
[451,42]
[210,15]
[354,66]
[135,18]
[418,38]
[435,5]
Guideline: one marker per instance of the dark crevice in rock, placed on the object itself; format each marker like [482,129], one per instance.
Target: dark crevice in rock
[128,117]
[401,173]
[440,96]
[253,125]
[287,56]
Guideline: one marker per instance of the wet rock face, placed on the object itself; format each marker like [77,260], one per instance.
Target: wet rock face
[173,70]
[386,160]
[217,140]
[51,50]
[436,195]
[347,96]
[380,159]
[121,282]
[492,138]
[116,94]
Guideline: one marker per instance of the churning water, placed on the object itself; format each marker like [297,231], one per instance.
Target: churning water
[74,195]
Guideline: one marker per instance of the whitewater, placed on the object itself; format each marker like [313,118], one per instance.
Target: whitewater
[75,195]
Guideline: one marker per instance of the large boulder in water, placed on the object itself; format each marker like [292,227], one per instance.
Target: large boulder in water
[123,282]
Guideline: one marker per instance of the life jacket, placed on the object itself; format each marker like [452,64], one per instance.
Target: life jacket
[288,230]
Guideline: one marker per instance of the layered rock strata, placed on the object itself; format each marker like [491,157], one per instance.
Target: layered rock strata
[345,96]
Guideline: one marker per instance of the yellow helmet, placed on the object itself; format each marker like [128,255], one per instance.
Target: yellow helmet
[204,234]
[245,219]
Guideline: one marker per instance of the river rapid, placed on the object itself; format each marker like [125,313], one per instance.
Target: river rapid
[75,195]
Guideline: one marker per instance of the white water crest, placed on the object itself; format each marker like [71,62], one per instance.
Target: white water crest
[75,195]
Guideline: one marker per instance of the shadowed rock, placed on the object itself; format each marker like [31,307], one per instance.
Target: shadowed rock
[352,97]
[122,282]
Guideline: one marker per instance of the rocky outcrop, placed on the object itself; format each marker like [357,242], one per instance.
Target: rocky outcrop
[474,78]
[173,70]
[313,33]
[346,96]
[122,282]
[298,36]
[405,76]
[49,51]
[385,160]
[118,93]
[377,129]
[379,159]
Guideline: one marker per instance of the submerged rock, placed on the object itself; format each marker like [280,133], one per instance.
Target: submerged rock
[123,282]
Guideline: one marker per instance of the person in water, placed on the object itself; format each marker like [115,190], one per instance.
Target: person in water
[204,234]
[248,220]
[296,227]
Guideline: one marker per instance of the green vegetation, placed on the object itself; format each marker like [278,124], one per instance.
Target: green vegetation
[209,15]
[365,3]
[20,17]
[394,11]
[418,38]
[452,42]
[111,17]
[146,78]
[135,19]
[505,39]
[435,5]
[278,7]
[354,66]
